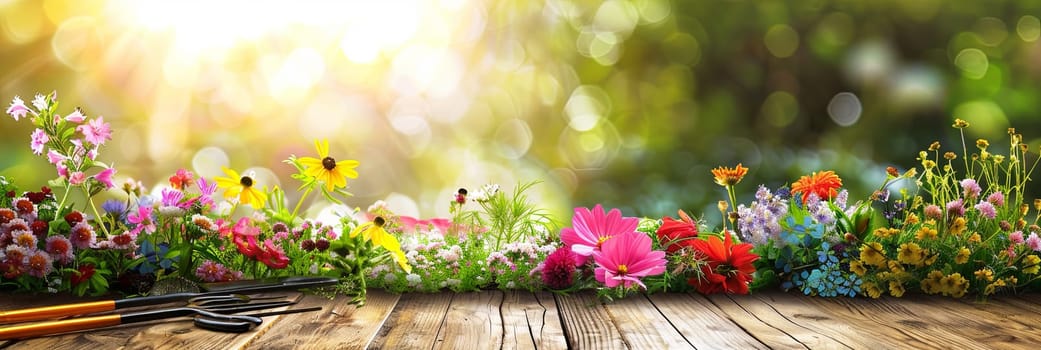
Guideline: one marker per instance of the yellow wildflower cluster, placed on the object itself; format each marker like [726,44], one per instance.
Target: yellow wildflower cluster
[872,289]
[873,254]
[957,226]
[949,285]
[963,256]
[911,253]
[926,232]
[883,232]
[1031,264]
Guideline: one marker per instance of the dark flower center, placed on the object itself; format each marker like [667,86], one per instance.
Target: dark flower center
[379,221]
[329,163]
[246,181]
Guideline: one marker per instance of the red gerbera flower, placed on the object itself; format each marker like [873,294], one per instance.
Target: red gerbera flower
[83,274]
[825,184]
[677,234]
[727,266]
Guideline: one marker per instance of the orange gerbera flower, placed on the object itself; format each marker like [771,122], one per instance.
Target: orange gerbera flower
[729,176]
[825,184]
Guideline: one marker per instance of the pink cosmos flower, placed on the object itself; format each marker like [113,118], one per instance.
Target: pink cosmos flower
[96,131]
[105,177]
[626,258]
[593,228]
[54,157]
[143,219]
[75,117]
[17,108]
[39,140]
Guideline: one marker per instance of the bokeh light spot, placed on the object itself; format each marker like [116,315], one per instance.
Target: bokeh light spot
[985,116]
[1028,28]
[587,105]
[76,42]
[653,11]
[845,109]
[991,31]
[208,161]
[780,109]
[513,138]
[972,62]
[781,40]
[683,48]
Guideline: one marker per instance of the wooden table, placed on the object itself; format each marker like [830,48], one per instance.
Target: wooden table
[522,320]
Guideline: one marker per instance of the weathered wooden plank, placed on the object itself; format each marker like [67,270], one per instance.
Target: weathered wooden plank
[587,324]
[1018,328]
[981,328]
[766,325]
[414,323]
[703,324]
[473,322]
[531,321]
[643,326]
[340,325]
[888,327]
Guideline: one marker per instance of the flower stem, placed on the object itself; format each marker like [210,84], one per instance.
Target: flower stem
[301,201]
[94,208]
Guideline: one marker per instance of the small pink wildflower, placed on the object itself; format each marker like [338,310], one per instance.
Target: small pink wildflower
[987,210]
[77,178]
[1016,237]
[17,108]
[997,198]
[75,117]
[105,177]
[39,139]
[60,248]
[1034,242]
[96,131]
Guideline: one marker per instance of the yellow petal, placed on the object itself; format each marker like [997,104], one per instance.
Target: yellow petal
[231,173]
[310,161]
[224,182]
[232,192]
[361,228]
[322,147]
[402,261]
[314,171]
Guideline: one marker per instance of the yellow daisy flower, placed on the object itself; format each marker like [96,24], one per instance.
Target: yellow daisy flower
[241,187]
[326,169]
[374,231]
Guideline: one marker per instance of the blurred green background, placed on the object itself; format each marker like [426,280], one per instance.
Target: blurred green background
[625,103]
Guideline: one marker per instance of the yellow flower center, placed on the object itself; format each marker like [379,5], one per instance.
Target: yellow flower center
[246,181]
[601,241]
[379,221]
[329,163]
[622,269]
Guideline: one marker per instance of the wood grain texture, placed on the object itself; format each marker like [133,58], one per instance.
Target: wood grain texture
[587,324]
[473,322]
[414,323]
[339,325]
[703,324]
[759,328]
[531,321]
[643,326]
[888,327]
